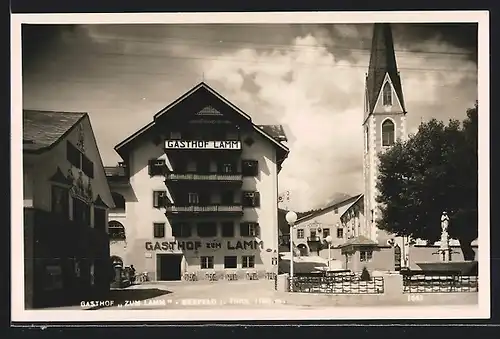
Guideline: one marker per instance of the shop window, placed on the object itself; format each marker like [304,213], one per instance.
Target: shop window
[207,262]
[248,261]
[230,262]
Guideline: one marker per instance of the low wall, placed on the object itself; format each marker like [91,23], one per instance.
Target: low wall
[393,296]
[383,258]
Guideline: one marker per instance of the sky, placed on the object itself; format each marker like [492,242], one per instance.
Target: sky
[307,77]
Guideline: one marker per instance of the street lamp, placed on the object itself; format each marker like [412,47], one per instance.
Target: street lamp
[329,241]
[291,218]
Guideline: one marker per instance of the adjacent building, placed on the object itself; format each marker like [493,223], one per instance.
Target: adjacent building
[197,191]
[311,230]
[66,198]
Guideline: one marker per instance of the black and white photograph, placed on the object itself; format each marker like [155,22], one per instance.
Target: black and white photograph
[252,168]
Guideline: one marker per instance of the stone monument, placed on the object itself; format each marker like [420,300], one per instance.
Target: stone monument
[444,248]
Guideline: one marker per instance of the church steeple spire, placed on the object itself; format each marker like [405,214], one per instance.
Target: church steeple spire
[382,63]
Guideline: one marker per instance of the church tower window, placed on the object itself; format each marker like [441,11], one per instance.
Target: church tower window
[387,95]
[387,133]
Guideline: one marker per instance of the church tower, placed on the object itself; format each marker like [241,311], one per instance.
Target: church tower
[384,119]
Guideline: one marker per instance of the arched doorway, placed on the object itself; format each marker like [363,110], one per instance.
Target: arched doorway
[304,251]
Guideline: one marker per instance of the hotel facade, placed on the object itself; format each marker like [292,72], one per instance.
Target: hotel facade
[196,193]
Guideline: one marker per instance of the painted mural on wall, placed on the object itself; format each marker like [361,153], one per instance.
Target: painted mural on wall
[81,185]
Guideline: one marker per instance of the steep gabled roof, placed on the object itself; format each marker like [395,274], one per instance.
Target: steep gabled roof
[42,130]
[382,62]
[328,208]
[273,133]
[360,196]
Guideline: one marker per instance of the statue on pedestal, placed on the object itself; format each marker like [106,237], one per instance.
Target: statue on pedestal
[444,247]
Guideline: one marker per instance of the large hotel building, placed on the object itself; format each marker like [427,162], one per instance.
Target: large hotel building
[197,192]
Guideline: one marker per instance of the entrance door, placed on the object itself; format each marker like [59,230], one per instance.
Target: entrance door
[168,266]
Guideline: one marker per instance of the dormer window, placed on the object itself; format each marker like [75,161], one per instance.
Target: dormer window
[387,95]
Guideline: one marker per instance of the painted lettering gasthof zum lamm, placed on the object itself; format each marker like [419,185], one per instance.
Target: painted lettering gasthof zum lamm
[196,245]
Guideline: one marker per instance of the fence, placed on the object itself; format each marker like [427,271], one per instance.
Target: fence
[337,284]
[438,282]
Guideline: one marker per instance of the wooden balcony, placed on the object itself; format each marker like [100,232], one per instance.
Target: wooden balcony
[234,178]
[205,210]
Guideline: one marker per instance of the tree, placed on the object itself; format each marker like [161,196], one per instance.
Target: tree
[433,171]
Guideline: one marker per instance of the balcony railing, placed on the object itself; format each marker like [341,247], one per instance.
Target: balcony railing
[219,177]
[313,239]
[205,209]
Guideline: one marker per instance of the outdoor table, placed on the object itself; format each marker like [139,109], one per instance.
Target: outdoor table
[190,276]
[210,276]
[231,276]
[270,275]
[252,276]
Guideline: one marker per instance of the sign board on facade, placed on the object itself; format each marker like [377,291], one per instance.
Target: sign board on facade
[202,144]
[197,245]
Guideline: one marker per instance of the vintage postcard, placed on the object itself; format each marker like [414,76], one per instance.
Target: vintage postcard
[250,166]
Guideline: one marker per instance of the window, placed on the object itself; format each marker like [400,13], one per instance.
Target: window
[326,232]
[312,233]
[248,261]
[60,201]
[193,198]
[116,230]
[181,230]
[387,95]
[100,219]
[340,233]
[365,256]
[387,133]
[159,199]
[73,155]
[227,168]
[300,233]
[156,167]
[251,199]
[159,230]
[207,262]
[206,229]
[81,212]
[250,168]
[87,166]
[227,198]
[228,229]
[249,229]
[119,202]
[230,262]
[175,135]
